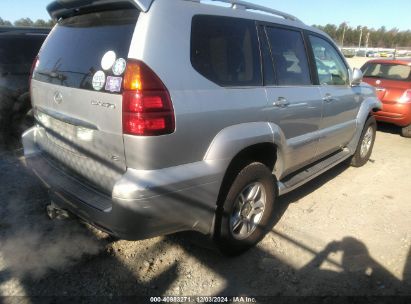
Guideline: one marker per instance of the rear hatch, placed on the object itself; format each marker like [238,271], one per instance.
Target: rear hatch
[76,94]
[390,79]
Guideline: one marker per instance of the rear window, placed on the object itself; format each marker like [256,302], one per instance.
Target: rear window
[83,51]
[387,71]
[225,50]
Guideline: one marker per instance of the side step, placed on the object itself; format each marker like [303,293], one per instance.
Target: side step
[294,181]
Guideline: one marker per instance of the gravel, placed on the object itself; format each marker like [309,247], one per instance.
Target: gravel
[345,233]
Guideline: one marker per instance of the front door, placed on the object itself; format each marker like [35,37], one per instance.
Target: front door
[341,102]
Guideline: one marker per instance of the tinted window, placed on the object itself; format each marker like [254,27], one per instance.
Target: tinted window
[19,48]
[225,50]
[330,66]
[74,50]
[269,76]
[387,71]
[289,56]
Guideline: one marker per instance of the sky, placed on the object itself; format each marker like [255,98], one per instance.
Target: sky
[371,13]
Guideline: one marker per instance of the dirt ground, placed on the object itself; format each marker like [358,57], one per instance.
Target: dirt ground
[357,62]
[345,233]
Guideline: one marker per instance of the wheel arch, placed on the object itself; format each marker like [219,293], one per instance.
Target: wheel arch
[368,106]
[265,153]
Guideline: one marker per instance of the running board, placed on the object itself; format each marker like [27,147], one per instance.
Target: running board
[296,180]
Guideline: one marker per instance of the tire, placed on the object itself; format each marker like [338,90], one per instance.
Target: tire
[6,106]
[22,123]
[406,131]
[238,229]
[365,144]
[22,116]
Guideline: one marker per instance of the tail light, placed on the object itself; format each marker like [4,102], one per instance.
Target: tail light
[147,106]
[406,97]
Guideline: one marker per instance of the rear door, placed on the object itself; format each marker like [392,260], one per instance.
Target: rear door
[295,104]
[76,92]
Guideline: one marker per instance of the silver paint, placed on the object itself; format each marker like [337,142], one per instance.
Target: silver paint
[172,182]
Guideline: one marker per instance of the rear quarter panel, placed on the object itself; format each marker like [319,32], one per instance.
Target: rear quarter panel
[202,108]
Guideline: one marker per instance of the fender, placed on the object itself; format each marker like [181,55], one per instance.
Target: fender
[369,105]
[232,140]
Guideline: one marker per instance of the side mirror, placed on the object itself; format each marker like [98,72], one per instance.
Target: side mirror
[356,77]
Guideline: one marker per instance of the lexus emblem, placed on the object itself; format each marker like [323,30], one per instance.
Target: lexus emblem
[58,98]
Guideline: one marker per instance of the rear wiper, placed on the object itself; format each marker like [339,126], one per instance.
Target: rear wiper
[53,75]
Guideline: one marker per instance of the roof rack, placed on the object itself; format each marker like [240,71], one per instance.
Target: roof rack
[239,4]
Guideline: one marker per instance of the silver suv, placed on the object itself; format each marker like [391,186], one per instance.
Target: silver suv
[160,116]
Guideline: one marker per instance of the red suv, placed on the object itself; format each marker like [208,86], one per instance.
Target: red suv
[392,79]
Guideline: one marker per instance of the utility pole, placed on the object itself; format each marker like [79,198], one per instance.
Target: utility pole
[343,35]
[359,43]
[395,52]
[367,39]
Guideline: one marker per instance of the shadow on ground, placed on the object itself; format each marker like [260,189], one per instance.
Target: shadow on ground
[39,257]
[389,128]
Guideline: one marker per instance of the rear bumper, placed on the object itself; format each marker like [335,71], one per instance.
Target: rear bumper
[143,204]
[395,113]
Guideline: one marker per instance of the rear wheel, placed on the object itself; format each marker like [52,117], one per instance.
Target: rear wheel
[406,131]
[22,115]
[366,143]
[247,210]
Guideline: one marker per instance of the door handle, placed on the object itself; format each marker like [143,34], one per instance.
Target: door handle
[329,98]
[281,102]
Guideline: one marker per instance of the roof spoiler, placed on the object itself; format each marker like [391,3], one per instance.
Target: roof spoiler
[65,8]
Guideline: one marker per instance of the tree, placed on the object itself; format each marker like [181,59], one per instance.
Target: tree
[27,22]
[41,23]
[331,29]
[378,38]
[51,23]
[24,22]
[5,22]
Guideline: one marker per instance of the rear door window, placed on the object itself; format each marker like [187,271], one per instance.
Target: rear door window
[289,56]
[225,50]
[74,50]
[268,67]
[387,71]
